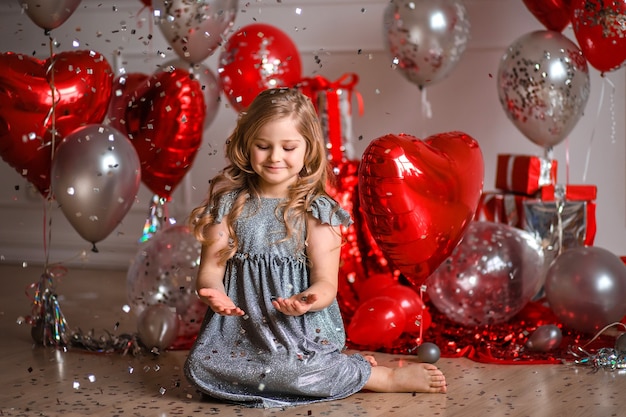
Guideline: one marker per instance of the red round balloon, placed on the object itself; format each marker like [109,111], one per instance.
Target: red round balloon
[553,14]
[419,196]
[417,315]
[165,123]
[374,285]
[82,83]
[377,322]
[255,58]
[599,28]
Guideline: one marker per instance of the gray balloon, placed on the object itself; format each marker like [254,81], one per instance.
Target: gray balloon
[195,28]
[545,338]
[425,39]
[157,326]
[95,177]
[586,288]
[543,86]
[49,14]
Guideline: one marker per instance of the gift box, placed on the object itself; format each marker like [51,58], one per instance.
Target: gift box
[501,207]
[564,217]
[573,192]
[524,174]
[333,103]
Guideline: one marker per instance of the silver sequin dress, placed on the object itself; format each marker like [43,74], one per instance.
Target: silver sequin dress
[265,358]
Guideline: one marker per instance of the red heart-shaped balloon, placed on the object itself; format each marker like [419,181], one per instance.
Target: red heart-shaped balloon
[82,83]
[419,196]
[165,121]
[599,29]
[553,14]
[122,97]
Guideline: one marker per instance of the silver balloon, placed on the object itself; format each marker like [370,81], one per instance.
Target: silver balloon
[210,84]
[95,177]
[543,86]
[157,327]
[425,38]
[49,14]
[586,288]
[489,277]
[195,28]
[545,338]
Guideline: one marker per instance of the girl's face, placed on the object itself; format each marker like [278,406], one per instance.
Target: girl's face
[277,156]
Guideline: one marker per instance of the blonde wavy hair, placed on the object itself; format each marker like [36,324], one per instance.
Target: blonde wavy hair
[240,178]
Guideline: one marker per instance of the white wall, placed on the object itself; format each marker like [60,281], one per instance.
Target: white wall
[329,35]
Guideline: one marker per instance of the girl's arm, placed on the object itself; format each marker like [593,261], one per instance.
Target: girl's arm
[323,250]
[210,279]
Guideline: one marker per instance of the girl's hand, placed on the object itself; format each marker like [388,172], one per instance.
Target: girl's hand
[296,305]
[219,302]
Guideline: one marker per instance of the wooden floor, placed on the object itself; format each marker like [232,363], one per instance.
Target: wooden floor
[44,381]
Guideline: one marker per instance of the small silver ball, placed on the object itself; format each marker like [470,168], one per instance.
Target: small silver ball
[428,353]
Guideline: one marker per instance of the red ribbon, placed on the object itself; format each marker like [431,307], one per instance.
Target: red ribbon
[314,86]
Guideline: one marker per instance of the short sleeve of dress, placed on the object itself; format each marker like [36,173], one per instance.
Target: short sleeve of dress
[223,206]
[328,211]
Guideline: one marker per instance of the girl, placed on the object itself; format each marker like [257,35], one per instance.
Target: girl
[273,334]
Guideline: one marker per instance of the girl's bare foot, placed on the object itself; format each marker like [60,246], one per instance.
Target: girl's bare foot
[417,377]
[371,360]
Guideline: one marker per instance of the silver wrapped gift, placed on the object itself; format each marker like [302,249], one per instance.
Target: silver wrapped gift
[556,224]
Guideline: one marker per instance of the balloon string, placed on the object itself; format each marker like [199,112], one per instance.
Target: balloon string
[559,216]
[567,160]
[549,153]
[426,108]
[593,133]
[612,108]
[47,229]
[52,92]
[605,328]
[421,316]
